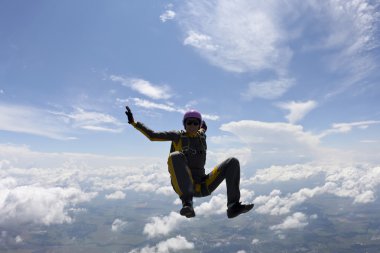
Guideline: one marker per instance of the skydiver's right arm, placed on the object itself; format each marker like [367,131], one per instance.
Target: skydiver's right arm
[156,136]
[150,134]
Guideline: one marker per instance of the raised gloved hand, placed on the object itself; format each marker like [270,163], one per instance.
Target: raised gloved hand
[204,126]
[129,114]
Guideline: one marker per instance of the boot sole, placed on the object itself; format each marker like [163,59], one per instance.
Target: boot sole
[233,215]
[187,212]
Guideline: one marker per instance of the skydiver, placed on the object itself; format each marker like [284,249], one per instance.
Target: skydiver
[186,163]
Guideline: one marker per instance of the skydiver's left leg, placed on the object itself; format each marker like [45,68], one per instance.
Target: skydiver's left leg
[229,170]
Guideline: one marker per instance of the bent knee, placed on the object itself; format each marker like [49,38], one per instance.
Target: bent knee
[233,163]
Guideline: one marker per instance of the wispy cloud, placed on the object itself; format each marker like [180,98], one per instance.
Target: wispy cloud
[200,41]
[53,124]
[23,119]
[247,36]
[169,107]
[144,87]
[269,89]
[167,15]
[237,36]
[90,120]
[297,110]
[347,127]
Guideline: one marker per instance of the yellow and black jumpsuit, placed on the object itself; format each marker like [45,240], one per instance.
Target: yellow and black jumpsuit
[186,163]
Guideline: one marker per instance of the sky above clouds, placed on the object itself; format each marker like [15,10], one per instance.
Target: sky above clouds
[302,68]
[289,87]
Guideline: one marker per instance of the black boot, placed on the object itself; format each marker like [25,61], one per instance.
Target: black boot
[237,209]
[187,209]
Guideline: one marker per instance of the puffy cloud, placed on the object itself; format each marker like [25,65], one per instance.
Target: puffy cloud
[255,241]
[359,183]
[118,225]
[216,205]
[116,195]
[163,226]
[297,110]
[295,221]
[35,204]
[144,87]
[217,156]
[174,244]
[286,173]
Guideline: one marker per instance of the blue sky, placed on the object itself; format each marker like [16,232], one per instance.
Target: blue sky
[263,73]
[290,88]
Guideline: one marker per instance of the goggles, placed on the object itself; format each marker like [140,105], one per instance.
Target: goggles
[192,122]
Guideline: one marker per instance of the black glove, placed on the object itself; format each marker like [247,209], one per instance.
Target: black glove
[204,126]
[129,114]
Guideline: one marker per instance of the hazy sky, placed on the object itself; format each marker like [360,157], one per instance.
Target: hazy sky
[277,81]
[290,88]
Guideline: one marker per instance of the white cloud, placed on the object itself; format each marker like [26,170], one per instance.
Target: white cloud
[285,142]
[118,225]
[252,36]
[175,244]
[200,41]
[347,127]
[163,226]
[255,241]
[35,204]
[169,107]
[247,36]
[359,183]
[23,119]
[296,221]
[1,91]
[144,87]
[18,239]
[90,120]
[269,89]
[167,15]
[297,110]
[286,173]
[116,195]
[217,156]
[216,205]
[55,125]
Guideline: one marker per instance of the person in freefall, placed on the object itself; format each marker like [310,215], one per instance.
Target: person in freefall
[186,163]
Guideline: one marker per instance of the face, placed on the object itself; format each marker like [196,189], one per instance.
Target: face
[192,125]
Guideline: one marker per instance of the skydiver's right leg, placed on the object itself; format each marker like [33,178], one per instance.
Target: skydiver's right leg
[182,182]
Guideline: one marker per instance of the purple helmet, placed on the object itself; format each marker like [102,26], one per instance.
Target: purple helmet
[192,114]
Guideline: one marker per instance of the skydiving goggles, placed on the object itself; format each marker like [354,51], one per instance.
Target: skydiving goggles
[192,122]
